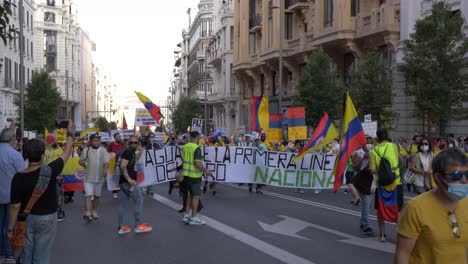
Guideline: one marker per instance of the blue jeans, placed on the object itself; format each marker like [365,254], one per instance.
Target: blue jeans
[5,247]
[38,238]
[125,195]
[366,201]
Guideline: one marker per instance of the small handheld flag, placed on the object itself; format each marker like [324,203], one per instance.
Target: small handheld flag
[153,109]
[124,123]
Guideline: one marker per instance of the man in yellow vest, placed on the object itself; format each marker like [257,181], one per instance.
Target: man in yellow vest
[193,171]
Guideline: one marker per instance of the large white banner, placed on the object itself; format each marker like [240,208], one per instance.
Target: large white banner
[241,165]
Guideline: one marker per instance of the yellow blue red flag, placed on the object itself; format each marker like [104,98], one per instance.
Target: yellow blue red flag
[324,133]
[153,109]
[260,115]
[297,129]
[352,138]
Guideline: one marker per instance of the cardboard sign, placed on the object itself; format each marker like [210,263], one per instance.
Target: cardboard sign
[159,137]
[105,137]
[144,118]
[197,124]
[370,128]
[61,135]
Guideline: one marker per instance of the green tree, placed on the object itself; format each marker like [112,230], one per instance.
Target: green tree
[41,103]
[7,31]
[113,125]
[319,89]
[186,109]
[102,123]
[371,89]
[433,67]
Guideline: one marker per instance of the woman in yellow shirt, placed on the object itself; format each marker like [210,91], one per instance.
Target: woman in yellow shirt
[433,227]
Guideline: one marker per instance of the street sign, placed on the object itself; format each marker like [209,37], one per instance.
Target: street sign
[197,124]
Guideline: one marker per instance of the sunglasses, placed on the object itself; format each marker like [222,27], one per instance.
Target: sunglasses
[133,142]
[455,229]
[458,175]
[425,144]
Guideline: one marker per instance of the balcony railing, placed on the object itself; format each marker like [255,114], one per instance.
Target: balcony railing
[386,18]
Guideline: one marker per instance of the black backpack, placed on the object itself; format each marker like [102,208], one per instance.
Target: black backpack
[386,174]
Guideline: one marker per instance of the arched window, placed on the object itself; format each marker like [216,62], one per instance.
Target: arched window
[49,17]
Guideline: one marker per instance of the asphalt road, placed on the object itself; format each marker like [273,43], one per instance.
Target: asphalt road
[279,226]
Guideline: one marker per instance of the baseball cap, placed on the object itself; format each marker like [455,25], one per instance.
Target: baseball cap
[50,139]
[93,136]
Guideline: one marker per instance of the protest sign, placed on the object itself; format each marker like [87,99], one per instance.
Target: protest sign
[144,118]
[368,118]
[105,137]
[242,165]
[370,128]
[159,137]
[197,124]
[61,135]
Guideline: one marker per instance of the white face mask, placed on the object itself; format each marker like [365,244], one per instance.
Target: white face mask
[425,148]
[369,147]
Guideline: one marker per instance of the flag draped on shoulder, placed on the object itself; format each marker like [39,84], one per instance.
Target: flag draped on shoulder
[297,129]
[352,138]
[124,123]
[153,109]
[324,133]
[260,115]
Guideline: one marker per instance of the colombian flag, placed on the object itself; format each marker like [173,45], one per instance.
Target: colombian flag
[352,138]
[387,204]
[297,129]
[260,114]
[124,123]
[153,109]
[324,133]
[73,175]
[275,132]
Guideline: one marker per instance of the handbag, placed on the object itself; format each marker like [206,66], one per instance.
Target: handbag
[19,230]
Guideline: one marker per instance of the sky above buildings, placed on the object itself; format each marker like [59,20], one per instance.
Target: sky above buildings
[135,42]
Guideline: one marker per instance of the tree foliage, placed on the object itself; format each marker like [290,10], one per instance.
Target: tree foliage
[319,89]
[7,31]
[433,66]
[187,108]
[102,123]
[41,103]
[371,89]
[113,125]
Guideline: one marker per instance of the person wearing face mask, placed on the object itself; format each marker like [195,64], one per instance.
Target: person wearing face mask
[421,167]
[433,227]
[53,151]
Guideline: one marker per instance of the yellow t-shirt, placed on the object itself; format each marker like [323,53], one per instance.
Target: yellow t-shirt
[426,220]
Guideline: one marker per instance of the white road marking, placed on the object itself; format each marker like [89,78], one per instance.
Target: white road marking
[311,203]
[268,249]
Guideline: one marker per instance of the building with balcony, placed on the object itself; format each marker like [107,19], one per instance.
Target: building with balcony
[344,29]
[224,97]
[408,123]
[57,50]
[195,67]
[10,70]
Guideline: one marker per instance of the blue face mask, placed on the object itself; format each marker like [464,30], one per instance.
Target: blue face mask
[457,191]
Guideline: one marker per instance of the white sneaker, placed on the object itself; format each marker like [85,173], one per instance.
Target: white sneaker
[317,191]
[115,196]
[196,221]
[186,218]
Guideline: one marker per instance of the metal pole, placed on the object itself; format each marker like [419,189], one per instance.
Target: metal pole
[206,95]
[280,77]
[21,66]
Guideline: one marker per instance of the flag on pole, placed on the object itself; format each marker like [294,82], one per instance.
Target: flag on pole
[275,132]
[89,130]
[46,132]
[124,123]
[153,109]
[352,138]
[324,133]
[297,129]
[260,115]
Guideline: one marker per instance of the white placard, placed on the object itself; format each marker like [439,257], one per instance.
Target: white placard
[159,137]
[368,118]
[144,118]
[105,137]
[197,124]
[370,128]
